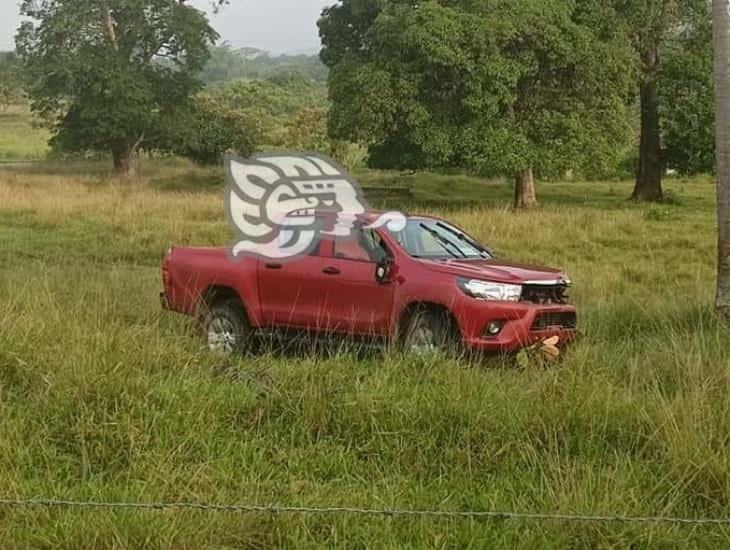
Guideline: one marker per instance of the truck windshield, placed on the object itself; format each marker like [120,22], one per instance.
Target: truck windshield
[433,239]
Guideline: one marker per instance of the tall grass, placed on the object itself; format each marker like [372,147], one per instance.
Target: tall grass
[103,396]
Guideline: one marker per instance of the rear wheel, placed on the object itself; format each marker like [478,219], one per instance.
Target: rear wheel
[226,329]
[429,332]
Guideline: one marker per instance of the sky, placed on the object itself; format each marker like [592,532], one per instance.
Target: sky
[278,26]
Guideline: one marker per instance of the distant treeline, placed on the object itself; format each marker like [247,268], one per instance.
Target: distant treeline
[228,64]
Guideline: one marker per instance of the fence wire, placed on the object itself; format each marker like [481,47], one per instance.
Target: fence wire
[343,510]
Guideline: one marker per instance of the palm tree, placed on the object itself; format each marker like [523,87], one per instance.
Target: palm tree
[721,25]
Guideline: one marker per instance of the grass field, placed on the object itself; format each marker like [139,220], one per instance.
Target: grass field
[20,138]
[105,397]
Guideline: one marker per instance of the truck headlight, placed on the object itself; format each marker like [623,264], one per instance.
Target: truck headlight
[488,290]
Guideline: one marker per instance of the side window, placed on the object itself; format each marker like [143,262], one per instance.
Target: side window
[377,250]
[428,244]
[316,249]
[361,246]
[351,248]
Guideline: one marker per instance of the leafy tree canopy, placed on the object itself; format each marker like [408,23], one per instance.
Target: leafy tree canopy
[210,128]
[95,72]
[497,86]
[686,95]
[288,112]
[11,89]
[273,103]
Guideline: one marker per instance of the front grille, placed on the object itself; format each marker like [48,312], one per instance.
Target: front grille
[545,294]
[559,319]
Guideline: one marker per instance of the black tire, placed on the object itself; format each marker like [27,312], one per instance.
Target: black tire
[429,332]
[225,328]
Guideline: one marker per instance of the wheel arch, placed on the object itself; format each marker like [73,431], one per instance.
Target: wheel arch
[214,294]
[416,307]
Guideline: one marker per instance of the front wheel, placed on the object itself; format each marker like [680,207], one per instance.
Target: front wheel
[428,333]
[226,329]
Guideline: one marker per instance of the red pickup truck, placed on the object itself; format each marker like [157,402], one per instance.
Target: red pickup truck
[426,287]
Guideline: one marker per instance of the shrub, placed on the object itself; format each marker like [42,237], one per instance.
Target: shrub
[211,129]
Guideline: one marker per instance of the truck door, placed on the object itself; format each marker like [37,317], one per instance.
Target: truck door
[355,302]
[291,291]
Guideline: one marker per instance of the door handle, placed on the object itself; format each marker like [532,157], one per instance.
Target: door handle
[331,271]
[273,266]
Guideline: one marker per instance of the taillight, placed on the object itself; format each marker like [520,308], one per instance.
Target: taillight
[166,270]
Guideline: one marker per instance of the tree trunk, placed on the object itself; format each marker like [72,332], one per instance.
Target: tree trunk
[649,171]
[721,25]
[124,161]
[109,24]
[525,189]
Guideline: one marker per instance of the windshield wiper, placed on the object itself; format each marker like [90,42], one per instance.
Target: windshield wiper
[444,242]
[459,235]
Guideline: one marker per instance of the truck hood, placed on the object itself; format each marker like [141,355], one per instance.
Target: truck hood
[496,270]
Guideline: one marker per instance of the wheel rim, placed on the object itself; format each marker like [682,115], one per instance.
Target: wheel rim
[422,340]
[222,335]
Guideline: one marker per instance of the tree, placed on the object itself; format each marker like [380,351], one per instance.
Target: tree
[650,24]
[686,95]
[307,131]
[208,129]
[274,104]
[107,74]
[494,86]
[10,85]
[687,100]
[721,22]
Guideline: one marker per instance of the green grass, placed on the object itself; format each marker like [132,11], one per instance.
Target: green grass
[20,138]
[105,397]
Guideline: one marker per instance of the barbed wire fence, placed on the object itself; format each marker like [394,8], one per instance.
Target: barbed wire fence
[276,509]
